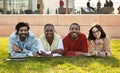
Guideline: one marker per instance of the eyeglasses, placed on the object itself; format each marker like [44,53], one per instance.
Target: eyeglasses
[95,31]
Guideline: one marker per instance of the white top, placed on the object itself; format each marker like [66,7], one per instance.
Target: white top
[41,47]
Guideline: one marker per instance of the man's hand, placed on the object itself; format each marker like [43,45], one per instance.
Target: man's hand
[17,49]
[45,54]
[59,51]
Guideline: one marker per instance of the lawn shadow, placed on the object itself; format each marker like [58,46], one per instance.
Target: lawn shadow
[46,62]
[52,61]
[86,61]
[12,65]
[118,50]
[81,61]
[109,61]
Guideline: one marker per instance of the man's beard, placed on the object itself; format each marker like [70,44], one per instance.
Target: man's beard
[23,36]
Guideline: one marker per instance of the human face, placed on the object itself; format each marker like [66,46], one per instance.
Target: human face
[74,31]
[23,32]
[96,33]
[49,32]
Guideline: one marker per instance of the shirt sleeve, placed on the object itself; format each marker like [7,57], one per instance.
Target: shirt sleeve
[11,43]
[84,44]
[13,53]
[107,46]
[92,50]
[30,46]
[33,45]
[68,52]
[60,44]
[40,46]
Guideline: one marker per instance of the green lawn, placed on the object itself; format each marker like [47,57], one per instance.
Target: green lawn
[61,64]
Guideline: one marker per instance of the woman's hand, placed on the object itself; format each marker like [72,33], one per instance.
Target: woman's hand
[101,54]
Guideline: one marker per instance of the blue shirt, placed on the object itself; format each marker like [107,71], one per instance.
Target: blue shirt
[28,46]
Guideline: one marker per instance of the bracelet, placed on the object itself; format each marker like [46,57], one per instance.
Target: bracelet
[97,53]
[106,53]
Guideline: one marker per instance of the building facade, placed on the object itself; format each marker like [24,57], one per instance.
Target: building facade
[47,6]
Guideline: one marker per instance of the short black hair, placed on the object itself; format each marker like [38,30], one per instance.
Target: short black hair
[91,37]
[48,24]
[22,24]
[75,24]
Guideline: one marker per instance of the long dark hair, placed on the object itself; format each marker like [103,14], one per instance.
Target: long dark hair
[91,37]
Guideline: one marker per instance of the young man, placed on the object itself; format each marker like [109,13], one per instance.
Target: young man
[89,6]
[50,43]
[22,43]
[75,43]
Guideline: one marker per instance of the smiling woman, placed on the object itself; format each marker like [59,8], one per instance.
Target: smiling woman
[99,42]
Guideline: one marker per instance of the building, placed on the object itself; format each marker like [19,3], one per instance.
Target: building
[46,6]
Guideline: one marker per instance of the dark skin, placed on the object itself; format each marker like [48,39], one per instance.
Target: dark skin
[23,32]
[49,32]
[74,32]
[59,51]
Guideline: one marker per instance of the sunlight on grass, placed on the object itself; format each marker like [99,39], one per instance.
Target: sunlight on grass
[61,64]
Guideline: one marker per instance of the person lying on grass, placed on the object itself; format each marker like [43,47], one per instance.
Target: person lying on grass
[75,42]
[50,44]
[99,42]
[22,43]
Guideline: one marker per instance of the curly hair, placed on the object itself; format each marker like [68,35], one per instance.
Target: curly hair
[22,24]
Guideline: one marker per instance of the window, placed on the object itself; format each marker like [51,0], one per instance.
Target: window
[51,6]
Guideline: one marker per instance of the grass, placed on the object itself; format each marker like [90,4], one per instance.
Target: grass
[61,64]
